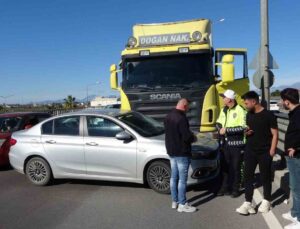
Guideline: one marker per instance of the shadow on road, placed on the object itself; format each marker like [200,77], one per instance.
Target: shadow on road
[98,183]
[208,191]
[5,168]
[202,198]
[278,197]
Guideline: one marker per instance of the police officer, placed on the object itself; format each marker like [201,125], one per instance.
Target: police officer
[231,125]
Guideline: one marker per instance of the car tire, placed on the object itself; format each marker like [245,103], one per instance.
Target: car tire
[38,171]
[158,176]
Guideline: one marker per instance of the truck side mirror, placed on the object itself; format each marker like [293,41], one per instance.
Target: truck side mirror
[113,77]
[227,68]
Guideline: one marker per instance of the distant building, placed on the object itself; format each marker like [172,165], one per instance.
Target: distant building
[104,101]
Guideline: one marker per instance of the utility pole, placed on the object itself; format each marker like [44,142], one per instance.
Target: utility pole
[263,78]
[264,48]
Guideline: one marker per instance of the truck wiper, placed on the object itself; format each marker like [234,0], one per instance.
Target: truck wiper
[145,88]
[179,87]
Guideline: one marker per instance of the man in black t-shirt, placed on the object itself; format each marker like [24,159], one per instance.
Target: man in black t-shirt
[262,138]
[290,101]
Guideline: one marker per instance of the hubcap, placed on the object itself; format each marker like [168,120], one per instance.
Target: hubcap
[37,171]
[160,178]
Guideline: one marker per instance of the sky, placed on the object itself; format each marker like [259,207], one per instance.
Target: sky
[51,49]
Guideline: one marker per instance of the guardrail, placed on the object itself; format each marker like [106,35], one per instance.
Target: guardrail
[50,111]
[283,121]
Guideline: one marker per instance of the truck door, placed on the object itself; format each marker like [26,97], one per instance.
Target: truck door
[240,81]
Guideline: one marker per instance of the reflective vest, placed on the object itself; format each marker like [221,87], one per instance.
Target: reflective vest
[234,120]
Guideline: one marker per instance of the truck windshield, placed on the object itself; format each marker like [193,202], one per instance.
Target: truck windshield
[187,71]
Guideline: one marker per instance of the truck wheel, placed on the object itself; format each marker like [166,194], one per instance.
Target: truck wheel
[38,171]
[158,177]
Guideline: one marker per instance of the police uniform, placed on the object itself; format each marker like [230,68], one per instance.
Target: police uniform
[234,120]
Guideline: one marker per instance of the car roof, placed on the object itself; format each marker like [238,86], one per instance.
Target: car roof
[99,111]
[18,114]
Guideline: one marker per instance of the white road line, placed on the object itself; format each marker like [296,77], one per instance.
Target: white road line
[269,217]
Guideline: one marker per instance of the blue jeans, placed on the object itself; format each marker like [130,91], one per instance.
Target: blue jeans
[294,177]
[179,175]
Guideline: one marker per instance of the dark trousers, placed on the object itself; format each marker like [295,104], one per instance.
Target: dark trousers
[231,168]
[264,162]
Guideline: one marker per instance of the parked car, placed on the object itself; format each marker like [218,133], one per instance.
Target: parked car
[108,145]
[116,105]
[274,105]
[11,122]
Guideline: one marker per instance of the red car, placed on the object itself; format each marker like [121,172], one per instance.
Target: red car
[11,122]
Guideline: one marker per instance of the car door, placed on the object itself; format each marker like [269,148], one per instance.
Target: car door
[105,155]
[62,140]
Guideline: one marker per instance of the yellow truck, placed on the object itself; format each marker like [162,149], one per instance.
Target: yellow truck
[168,61]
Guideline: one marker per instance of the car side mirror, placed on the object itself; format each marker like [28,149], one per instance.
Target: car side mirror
[123,136]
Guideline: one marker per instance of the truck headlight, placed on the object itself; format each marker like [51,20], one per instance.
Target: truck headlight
[132,42]
[196,36]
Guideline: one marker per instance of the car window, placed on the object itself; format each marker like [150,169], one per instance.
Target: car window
[102,127]
[47,128]
[67,125]
[10,124]
[42,117]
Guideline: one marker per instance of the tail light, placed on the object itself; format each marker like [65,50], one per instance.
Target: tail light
[12,141]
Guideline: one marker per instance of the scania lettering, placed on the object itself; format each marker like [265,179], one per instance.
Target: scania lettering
[165,96]
[168,61]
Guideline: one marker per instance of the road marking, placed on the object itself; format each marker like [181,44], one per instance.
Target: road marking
[269,217]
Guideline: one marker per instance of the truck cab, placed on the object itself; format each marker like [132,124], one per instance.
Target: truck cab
[165,62]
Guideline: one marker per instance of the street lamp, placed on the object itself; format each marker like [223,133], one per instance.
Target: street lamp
[5,97]
[87,91]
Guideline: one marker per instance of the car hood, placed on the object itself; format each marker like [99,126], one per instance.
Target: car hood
[203,143]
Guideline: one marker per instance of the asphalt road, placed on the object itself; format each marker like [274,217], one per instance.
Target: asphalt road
[92,204]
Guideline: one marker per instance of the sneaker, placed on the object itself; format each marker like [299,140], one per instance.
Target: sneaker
[295,225]
[174,205]
[246,209]
[186,208]
[288,216]
[265,206]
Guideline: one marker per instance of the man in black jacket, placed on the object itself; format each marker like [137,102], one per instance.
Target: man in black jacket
[290,99]
[178,144]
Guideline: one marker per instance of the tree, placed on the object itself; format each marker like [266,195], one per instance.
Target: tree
[69,102]
[275,93]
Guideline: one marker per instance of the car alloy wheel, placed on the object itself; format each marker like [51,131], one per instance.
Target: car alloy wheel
[158,177]
[38,171]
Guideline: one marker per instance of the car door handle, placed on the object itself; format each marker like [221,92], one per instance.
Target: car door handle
[51,141]
[91,144]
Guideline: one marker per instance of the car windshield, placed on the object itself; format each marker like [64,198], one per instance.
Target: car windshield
[145,126]
[9,124]
[184,71]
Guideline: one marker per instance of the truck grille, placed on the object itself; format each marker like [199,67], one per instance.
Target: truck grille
[160,108]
